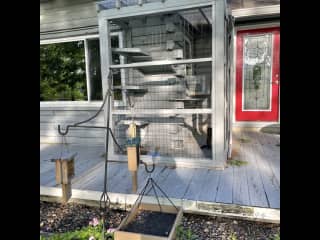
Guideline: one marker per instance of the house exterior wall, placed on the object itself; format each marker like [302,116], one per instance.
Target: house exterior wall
[62,19]
[51,115]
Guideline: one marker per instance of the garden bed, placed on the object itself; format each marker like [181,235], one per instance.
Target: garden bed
[150,222]
[58,218]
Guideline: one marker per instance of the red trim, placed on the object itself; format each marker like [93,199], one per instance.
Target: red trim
[272,115]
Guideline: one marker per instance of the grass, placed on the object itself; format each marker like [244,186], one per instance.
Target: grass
[238,163]
[83,234]
[276,237]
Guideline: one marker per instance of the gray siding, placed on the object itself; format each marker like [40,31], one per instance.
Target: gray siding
[62,18]
[49,120]
[237,4]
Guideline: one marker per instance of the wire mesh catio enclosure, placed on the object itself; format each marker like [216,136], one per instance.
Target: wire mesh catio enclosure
[170,77]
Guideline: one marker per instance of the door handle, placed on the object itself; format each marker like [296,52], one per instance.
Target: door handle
[275,82]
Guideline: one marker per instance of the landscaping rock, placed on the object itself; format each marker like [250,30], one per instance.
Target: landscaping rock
[58,218]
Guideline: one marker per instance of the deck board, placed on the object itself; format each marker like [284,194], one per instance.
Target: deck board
[272,153]
[177,182]
[143,177]
[269,180]
[198,179]
[224,193]
[240,194]
[257,193]
[255,184]
[208,190]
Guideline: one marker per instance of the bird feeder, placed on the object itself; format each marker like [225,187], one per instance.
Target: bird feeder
[65,173]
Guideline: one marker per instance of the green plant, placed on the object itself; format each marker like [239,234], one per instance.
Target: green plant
[234,162]
[62,72]
[185,234]
[86,233]
[276,237]
[244,140]
[233,236]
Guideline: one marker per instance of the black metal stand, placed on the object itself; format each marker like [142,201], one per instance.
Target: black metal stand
[153,186]
[104,199]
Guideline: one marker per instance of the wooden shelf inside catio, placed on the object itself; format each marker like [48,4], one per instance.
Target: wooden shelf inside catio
[122,234]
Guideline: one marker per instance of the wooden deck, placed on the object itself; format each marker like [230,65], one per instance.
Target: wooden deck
[256,184]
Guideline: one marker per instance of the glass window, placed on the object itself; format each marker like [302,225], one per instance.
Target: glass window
[257,62]
[63,72]
[63,69]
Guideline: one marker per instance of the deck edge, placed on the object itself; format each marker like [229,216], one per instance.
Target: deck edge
[125,201]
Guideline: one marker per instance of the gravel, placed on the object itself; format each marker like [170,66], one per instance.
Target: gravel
[220,228]
[56,217]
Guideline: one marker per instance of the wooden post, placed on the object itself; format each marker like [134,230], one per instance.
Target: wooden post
[133,163]
[58,171]
[64,174]
[133,158]
[66,192]
[134,181]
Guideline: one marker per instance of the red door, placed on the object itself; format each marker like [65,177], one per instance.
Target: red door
[257,75]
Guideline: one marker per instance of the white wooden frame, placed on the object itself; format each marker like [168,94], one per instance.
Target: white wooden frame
[68,39]
[219,153]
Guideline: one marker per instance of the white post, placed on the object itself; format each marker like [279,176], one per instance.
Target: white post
[106,59]
[218,103]
[118,4]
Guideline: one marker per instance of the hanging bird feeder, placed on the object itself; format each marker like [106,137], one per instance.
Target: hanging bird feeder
[65,173]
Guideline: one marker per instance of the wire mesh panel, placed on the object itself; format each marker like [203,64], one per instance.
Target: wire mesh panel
[168,136]
[167,91]
[154,78]
[163,65]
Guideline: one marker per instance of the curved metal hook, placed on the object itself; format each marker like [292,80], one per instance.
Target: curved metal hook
[146,167]
[63,133]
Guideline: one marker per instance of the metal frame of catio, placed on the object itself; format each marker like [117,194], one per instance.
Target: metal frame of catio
[177,94]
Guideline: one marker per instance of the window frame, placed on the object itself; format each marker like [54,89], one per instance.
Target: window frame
[88,77]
